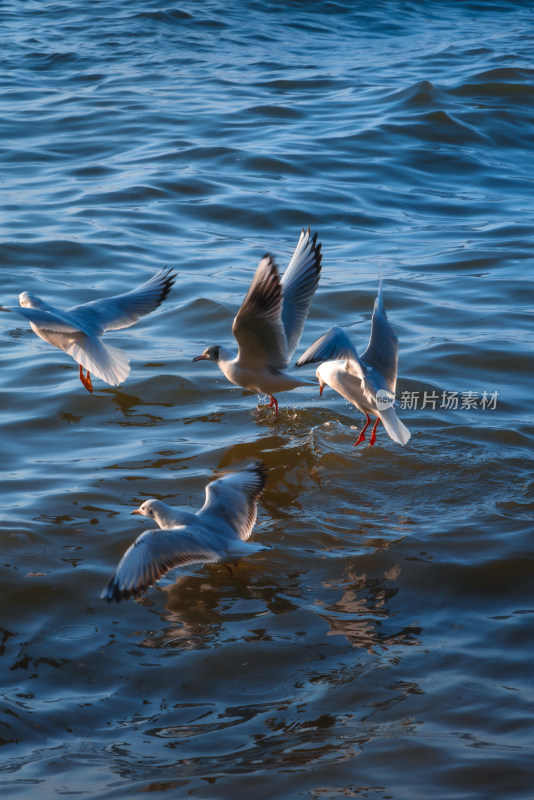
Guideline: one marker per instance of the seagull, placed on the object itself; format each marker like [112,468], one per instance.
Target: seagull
[218,532]
[368,382]
[269,324]
[77,330]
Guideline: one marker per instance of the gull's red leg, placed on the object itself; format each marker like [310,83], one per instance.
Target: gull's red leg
[274,403]
[361,437]
[373,433]
[86,380]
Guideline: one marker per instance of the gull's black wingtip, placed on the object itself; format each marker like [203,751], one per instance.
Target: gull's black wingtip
[169,277]
[255,467]
[111,592]
[261,470]
[318,254]
[316,249]
[114,593]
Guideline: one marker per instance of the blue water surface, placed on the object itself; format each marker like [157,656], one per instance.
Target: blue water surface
[381,648]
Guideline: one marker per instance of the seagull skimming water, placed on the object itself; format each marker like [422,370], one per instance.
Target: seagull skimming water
[368,382]
[269,324]
[218,532]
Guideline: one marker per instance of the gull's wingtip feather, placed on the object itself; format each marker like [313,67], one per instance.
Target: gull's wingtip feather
[168,275]
[379,301]
[261,470]
[112,592]
[256,466]
[269,259]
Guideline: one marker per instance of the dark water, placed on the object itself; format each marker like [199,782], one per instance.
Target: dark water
[382,648]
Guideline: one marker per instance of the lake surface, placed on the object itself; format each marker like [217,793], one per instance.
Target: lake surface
[382,647]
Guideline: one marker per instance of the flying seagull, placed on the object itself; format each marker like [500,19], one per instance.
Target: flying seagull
[77,330]
[218,532]
[368,382]
[269,324]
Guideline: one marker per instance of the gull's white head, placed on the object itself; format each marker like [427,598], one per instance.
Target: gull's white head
[163,515]
[321,378]
[148,509]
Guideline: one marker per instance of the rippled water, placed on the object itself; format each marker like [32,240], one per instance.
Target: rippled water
[382,647]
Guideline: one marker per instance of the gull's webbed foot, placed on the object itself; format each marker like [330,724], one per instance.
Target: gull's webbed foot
[86,380]
[274,404]
[361,437]
[372,440]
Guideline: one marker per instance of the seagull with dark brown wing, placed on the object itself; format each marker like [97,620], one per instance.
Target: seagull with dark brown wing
[269,324]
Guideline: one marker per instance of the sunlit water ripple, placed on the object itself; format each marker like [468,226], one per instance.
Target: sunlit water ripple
[381,647]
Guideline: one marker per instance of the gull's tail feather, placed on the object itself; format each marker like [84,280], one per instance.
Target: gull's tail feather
[108,363]
[395,428]
[240,549]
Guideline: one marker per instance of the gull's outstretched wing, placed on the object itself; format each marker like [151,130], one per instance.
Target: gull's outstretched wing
[381,353]
[55,320]
[122,310]
[331,346]
[152,555]
[233,499]
[258,326]
[298,286]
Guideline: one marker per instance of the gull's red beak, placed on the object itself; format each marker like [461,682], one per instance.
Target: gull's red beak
[201,358]
[321,387]
[136,511]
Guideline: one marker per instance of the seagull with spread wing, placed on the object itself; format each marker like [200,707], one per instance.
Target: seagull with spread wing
[218,532]
[269,324]
[368,381]
[77,330]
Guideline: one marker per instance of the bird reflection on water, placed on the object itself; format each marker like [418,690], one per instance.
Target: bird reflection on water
[197,608]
